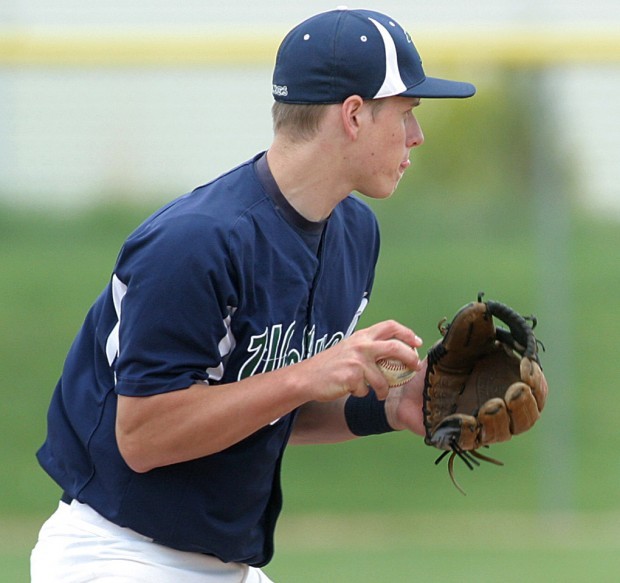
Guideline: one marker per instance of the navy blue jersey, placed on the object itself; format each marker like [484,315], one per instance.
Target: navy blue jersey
[215,287]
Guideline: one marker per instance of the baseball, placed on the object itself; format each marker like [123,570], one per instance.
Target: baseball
[395,372]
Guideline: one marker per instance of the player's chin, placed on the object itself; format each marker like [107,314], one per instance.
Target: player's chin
[391,189]
[382,189]
[379,194]
[400,173]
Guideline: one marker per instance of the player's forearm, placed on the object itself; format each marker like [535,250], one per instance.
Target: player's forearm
[201,420]
[321,423]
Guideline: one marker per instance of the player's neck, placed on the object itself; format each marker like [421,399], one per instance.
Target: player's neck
[309,177]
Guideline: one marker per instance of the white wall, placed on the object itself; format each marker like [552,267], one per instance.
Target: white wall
[75,134]
[70,135]
[288,12]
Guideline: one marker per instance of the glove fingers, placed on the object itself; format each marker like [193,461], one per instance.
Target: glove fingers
[458,429]
[494,422]
[532,374]
[522,406]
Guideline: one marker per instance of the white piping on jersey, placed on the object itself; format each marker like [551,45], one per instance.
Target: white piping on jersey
[225,346]
[119,289]
[393,83]
[357,316]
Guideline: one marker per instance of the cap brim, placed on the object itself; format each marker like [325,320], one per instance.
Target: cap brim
[440,88]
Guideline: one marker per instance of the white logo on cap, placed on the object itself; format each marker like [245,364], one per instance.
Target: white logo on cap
[280,90]
[393,83]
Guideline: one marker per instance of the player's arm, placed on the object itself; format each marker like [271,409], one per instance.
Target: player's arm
[326,422]
[321,423]
[177,426]
[181,425]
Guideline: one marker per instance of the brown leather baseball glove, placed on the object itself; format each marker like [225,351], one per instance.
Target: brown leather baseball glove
[483,384]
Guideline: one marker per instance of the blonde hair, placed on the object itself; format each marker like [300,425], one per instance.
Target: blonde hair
[301,121]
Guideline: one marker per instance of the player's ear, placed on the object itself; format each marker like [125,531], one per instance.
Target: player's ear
[350,112]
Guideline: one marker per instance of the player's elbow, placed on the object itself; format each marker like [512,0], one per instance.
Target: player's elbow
[133,443]
[133,451]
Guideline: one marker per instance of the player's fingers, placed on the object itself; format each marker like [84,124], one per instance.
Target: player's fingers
[382,393]
[360,390]
[376,381]
[391,329]
[399,350]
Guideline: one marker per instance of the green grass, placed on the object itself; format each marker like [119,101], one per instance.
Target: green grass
[17,536]
[53,268]
[446,547]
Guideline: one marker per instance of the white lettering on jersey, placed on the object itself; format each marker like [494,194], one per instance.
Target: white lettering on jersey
[271,349]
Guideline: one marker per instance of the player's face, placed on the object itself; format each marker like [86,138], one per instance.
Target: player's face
[392,133]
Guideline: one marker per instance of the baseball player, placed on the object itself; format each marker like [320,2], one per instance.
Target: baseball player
[227,329]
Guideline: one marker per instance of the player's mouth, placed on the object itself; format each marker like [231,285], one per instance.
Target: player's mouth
[404,165]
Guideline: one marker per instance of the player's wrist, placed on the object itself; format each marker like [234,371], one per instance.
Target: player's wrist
[391,409]
[366,415]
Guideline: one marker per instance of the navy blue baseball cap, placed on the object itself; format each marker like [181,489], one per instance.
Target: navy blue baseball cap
[340,53]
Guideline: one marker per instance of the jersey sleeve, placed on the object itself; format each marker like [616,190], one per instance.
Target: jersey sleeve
[174,292]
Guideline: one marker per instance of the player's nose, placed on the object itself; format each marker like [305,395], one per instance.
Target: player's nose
[415,136]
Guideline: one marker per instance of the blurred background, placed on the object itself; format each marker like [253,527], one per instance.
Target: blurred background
[107,110]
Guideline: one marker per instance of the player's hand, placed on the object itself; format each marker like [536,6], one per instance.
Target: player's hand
[350,367]
[404,405]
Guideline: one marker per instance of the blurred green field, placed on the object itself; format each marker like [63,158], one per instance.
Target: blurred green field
[364,511]
[361,510]
[397,548]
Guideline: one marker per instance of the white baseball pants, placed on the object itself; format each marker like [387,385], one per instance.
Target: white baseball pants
[78,545]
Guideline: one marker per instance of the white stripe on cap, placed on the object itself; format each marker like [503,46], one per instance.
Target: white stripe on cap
[393,83]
